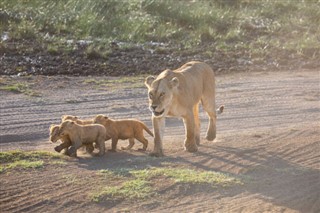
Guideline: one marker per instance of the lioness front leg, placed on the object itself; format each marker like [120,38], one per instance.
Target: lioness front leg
[158,131]
[190,142]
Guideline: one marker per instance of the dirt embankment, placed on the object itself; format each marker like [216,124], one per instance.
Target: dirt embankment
[268,137]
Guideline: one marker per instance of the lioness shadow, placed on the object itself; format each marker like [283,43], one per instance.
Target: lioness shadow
[268,174]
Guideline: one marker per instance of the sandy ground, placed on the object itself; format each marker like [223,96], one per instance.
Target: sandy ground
[268,135]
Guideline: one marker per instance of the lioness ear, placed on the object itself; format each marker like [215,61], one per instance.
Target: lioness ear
[174,82]
[149,81]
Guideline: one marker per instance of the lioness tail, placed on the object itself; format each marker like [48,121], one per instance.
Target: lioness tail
[220,109]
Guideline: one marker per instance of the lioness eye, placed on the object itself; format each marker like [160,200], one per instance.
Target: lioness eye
[162,94]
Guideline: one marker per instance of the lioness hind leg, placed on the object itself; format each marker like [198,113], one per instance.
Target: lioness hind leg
[209,107]
[131,143]
[197,124]
[190,143]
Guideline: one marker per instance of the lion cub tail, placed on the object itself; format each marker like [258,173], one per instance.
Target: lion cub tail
[220,109]
[147,129]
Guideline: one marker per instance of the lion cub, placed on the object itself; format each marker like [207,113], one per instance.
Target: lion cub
[83,134]
[66,142]
[76,119]
[124,129]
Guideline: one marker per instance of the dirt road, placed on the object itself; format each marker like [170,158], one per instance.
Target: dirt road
[268,136]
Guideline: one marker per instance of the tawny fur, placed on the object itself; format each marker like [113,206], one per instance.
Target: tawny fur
[76,119]
[124,129]
[178,93]
[66,142]
[83,134]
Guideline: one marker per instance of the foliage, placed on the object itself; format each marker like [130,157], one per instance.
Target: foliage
[139,184]
[26,159]
[255,24]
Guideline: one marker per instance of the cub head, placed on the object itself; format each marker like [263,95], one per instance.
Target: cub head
[66,126]
[69,117]
[54,133]
[160,92]
[100,119]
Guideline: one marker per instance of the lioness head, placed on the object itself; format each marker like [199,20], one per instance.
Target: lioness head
[100,119]
[54,133]
[160,92]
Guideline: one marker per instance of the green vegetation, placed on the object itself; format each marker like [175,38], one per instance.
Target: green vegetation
[20,88]
[27,160]
[254,25]
[138,184]
[116,83]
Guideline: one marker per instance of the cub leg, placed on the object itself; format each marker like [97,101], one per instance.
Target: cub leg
[90,148]
[143,140]
[131,143]
[62,146]
[114,144]
[72,151]
[101,145]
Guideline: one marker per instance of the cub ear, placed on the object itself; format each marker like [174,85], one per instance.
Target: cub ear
[106,117]
[149,81]
[174,82]
[62,117]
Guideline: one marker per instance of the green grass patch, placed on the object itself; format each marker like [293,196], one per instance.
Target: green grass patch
[116,83]
[20,88]
[183,175]
[131,189]
[25,164]
[140,183]
[28,159]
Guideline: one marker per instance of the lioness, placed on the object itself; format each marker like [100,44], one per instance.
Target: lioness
[123,129]
[178,93]
[83,134]
[66,142]
[76,119]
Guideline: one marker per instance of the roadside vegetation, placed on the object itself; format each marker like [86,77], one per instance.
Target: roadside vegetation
[250,31]
[28,160]
[144,183]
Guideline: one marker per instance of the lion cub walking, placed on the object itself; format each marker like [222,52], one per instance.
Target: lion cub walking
[124,129]
[83,134]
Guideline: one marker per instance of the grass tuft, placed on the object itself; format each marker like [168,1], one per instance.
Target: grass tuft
[27,159]
[138,183]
